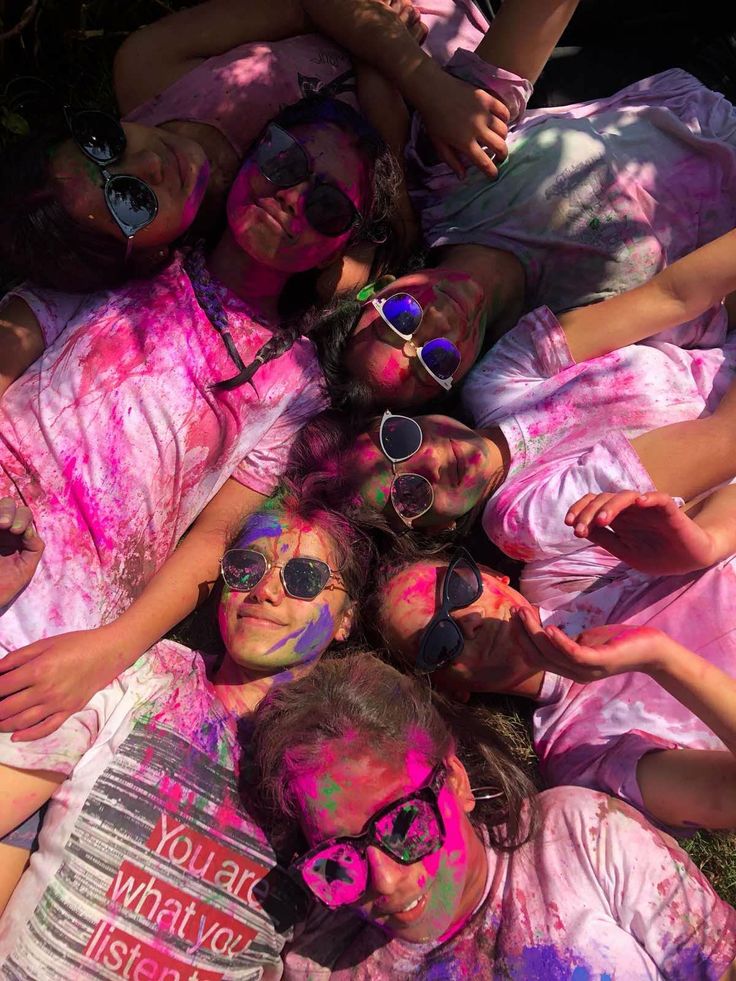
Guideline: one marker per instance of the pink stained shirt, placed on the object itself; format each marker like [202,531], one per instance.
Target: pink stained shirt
[116,441]
[239,91]
[597,894]
[569,426]
[594,198]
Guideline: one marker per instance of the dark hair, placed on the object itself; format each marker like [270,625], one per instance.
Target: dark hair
[391,713]
[41,241]
[354,551]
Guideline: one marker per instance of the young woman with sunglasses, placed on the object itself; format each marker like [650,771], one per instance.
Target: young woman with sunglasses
[423,827]
[564,406]
[192,426]
[112,878]
[641,705]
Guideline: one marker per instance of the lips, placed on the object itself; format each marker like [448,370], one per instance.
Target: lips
[278,215]
[404,916]
[258,618]
[459,464]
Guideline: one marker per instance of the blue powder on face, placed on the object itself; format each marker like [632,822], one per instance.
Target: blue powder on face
[260,525]
[311,640]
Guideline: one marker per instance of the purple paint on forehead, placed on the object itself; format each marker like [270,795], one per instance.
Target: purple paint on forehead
[261,525]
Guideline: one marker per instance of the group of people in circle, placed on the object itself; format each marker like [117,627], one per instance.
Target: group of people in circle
[225,366]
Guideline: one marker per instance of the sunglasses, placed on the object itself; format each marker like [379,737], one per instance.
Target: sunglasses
[101,138]
[284,162]
[411,494]
[409,829]
[403,314]
[302,577]
[442,640]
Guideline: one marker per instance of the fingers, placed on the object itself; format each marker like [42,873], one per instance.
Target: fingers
[45,728]
[598,510]
[18,671]
[447,155]
[21,719]
[17,519]
[480,157]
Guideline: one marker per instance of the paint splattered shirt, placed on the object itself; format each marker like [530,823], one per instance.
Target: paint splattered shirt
[239,91]
[594,198]
[149,864]
[569,426]
[594,735]
[116,441]
[597,895]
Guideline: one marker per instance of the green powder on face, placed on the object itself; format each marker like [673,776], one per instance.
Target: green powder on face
[328,795]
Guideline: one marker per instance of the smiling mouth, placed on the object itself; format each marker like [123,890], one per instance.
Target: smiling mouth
[255,618]
[278,217]
[409,914]
[459,464]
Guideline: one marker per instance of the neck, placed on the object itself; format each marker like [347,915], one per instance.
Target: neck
[499,459]
[241,690]
[260,286]
[501,276]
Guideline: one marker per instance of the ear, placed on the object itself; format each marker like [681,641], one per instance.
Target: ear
[347,622]
[504,579]
[459,782]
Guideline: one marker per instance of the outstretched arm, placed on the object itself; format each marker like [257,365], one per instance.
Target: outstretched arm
[524,33]
[679,787]
[42,684]
[677,294]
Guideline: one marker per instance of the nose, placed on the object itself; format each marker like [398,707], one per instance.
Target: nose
[470,622]
[146,164]
[291,198]
[269,589]
[385,874]
[427,464]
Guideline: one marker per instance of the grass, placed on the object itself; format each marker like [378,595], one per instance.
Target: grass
[65,55]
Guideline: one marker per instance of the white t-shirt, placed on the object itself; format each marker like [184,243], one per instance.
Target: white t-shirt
[116,441]
[149,865]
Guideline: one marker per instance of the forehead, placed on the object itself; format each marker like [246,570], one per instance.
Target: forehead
[275,533]
[332,151]
[349,786]
[410,600]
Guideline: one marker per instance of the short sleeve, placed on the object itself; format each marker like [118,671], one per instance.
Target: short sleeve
[508,377]
[263,467]
[526,517]
[659,896]
[52,309]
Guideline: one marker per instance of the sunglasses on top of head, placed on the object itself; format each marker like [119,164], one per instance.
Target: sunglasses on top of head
[442,640]
[284,162]
[301,576]
[130,201]
[408,830]
[403,314]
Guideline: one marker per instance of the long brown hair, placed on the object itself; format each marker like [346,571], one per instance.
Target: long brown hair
[391,713]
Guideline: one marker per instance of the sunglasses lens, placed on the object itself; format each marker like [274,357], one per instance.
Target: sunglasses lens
[440,645]
[400,437]
[329,211]
[402,312]
[410,831]
[132,202]
[441,357]
[411,495]
[305,578]
[243,568]
[337,874]
[280,158]
[463,586]
[100,136]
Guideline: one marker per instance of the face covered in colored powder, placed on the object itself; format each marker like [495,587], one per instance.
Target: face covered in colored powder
[269,222]
[497,654]
[417,902]
[453,308]
[265,629]
[174,167]
[458,462]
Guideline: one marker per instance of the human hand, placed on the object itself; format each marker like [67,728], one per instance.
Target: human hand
[461,121]
[598,652]
[21,549]
[410,18]
[647,531]
[44,683]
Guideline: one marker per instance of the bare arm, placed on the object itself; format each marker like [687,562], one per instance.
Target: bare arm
[680,292]
[42,684]
[524,33]
[21,340]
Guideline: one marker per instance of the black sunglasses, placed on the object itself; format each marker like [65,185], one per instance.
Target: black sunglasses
[284,162]
[407,830]
[302,577]
[101,138]
[399,438]
[442,640]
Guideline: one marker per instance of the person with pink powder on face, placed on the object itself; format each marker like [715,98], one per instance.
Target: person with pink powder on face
[170,408]
[169,741]
[416,820]
[641,703]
